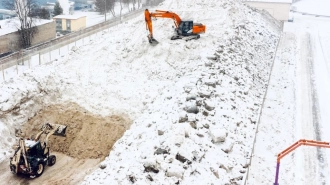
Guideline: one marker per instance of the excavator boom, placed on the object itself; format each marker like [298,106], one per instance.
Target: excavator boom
[183,28]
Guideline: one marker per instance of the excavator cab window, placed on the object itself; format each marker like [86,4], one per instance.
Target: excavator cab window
[185,28]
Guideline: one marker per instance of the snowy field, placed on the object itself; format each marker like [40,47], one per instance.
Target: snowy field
[195,106]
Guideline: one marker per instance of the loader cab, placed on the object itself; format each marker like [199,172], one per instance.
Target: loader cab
[34,149]
[185,28]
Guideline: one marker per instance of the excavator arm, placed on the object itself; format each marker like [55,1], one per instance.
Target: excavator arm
[161,14]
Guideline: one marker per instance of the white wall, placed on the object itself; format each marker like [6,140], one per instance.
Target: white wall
[279,11]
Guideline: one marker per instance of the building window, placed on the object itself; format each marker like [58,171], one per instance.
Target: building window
[58,24]
[68,25]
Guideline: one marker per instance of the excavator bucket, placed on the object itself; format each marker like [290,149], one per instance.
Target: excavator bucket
[153,41]
[57,129]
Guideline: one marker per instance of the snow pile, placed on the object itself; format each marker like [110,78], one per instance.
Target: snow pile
[200,129]
[195,104]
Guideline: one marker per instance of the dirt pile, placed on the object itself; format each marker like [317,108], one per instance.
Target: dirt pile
[87,135]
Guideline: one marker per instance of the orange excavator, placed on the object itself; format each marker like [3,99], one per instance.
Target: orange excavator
[186,30]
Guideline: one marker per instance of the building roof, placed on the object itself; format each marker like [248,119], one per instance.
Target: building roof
[7,12]
[12,25]
[68,16]
[271,1]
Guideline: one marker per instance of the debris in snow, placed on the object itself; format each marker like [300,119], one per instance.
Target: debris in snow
[199,102]
[175,171]
[210,82]
[228,147]
[183,117]
[160,132]
[206,126]
[215,172]
[204,94]
[218,135]
[149,177]
[227,168]
[191,97]
[150,168]
[132,178]
[234,180]
[103,165]
[160,151]
[192,109]
[209,105]
[193,124]
[182,158]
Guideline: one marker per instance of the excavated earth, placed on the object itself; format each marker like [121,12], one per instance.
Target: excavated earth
[89,139]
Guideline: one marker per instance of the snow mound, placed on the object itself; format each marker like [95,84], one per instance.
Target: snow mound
[220,78]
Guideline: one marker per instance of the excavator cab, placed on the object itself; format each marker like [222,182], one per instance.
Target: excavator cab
[185,28]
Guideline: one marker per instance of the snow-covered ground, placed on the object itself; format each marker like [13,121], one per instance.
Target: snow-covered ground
[93,18]
[297,104]
[162,87]
[318,7]
[194,117]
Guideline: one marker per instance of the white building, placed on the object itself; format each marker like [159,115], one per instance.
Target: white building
[279,9]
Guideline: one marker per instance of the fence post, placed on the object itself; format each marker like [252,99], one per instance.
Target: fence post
[29,62]
[3,73]
[39,59]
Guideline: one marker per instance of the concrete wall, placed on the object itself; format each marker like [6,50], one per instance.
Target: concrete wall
[10,42]
[45,32]
[279,11]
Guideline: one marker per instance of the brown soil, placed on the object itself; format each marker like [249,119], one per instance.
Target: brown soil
[89,138]
[87,135]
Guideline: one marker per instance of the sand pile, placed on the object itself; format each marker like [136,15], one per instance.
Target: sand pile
[87,135]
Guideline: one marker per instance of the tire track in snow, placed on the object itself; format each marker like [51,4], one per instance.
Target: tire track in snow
[315,111]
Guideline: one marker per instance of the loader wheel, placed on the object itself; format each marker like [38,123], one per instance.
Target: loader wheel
[40,169]
[51,160]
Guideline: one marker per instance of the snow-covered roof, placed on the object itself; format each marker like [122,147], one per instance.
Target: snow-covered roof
[271,1]
[68,16]
[8,12]
[11,25]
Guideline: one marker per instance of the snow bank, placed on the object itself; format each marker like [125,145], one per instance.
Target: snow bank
[222,77]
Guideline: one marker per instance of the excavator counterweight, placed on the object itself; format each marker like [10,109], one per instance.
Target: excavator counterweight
[186,30]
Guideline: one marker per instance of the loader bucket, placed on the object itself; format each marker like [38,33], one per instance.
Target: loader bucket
[57,129]
[61,130]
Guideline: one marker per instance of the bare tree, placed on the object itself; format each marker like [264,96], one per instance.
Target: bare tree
[24,10]
[104,6]
[127,2]
[121,8]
